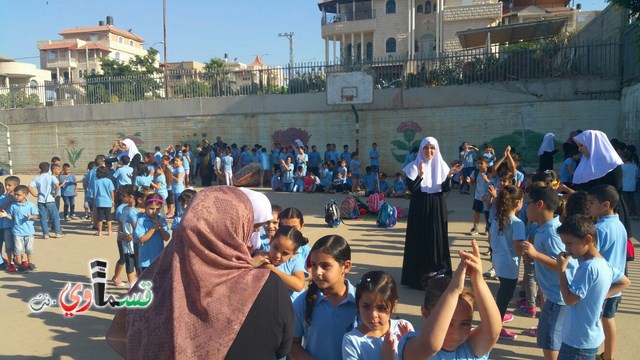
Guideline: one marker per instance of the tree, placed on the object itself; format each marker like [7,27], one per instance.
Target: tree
[124,81]
[19,99]
[216,71]
[632,5]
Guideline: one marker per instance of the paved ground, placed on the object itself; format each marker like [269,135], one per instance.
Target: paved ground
[48,334]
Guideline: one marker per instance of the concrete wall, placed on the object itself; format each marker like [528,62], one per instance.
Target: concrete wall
[630,104]
[518,113]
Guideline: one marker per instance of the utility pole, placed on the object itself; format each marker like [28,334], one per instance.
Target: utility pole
[289,35]
[164,38]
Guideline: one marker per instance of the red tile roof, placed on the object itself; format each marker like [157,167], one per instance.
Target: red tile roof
[91,46]
[104,28]
[71,46]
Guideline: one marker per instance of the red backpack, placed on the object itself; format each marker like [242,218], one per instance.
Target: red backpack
[375,201]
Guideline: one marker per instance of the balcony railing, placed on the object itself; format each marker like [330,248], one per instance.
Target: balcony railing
[348,16]
[454,68]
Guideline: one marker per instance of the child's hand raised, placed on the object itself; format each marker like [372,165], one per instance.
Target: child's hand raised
[457,281]
[563,261]
[472,261]
[389,346]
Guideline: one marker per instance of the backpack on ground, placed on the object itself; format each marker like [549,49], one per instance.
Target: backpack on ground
[375,201]
[349,208]
[387,216]
[332,214]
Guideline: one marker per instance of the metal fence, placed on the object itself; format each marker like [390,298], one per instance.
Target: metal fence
[455,68]
[631,65]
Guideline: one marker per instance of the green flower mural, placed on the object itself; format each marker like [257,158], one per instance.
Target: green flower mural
[408,129]
[526,143]
[73,153]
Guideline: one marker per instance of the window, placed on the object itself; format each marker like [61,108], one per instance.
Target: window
[391,7]
[427,7]
[391,45]
[359,53]
[120,40]
[51,55]
[33,84]
[117,56]
[80,74]
[419,9]
[130,42]
[369,51]
[93,37]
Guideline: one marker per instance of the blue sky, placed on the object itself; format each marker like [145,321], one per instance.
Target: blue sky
[196,29]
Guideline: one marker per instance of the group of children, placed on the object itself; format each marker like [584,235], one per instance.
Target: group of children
[575,242]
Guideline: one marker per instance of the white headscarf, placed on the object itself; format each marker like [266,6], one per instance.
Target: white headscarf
[602,157]
[547,144]
[435,171]
[261,212]
[132,149]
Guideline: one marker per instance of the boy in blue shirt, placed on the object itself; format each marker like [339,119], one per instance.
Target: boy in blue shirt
[399,187]
[369,182]
[314,160]
[584,292]
[541,204]
[69,188]
[383,185]
[104,194]
[612,245]
[6,225]
[479,177]
[569,167]
[346,155]
[124,173]
[374,156]
[22,213]
[44,187]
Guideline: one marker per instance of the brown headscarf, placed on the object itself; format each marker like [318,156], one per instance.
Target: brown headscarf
[203,285]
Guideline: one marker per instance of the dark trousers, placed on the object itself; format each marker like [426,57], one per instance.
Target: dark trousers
[505,294]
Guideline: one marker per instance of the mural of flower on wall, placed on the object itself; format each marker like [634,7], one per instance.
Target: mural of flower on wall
[287,137]
[526,143]
[73,153]
[409,130]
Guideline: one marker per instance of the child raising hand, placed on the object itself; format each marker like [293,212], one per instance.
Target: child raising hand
[448,313]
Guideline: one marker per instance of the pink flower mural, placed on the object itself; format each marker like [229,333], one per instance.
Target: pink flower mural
[408,129]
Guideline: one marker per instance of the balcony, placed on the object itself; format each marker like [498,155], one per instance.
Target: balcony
[61,63]
[348,22]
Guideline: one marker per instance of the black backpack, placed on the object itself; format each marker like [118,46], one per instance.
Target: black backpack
[332,214]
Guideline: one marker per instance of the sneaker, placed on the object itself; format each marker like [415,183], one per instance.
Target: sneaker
[66,218]
[33,267]
[73,217]
[12,268]
[491,273]
[507,318]
[22,267]
[45,236]
[507,335]
[533,332]
[87,217]
[528,311]
[474,231]
[521,302]
[58,236]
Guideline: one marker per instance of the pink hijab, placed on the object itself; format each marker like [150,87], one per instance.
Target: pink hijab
[203,285]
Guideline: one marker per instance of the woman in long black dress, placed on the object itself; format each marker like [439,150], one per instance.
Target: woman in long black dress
[546,151]
[600,164]
[426,247]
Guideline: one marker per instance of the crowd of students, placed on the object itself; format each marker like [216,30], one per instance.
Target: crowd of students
[575,240]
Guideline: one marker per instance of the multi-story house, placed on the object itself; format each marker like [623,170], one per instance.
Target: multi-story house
[364,30]
[80,49]
[22,77]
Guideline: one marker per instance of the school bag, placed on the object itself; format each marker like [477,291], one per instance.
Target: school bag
[631,251]
[375,201]
[332,214]
[307,183]
[387,216]
[349,208]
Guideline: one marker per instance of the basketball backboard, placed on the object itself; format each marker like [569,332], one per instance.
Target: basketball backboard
[349,88]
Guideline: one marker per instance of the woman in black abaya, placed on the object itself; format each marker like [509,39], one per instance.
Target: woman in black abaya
[426,249]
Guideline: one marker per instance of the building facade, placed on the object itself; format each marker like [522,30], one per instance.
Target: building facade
[80,49]
[364,30]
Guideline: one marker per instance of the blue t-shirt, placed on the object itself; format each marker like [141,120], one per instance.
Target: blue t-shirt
[158,157]
[322,339]
[346,156]
[287,173]
[227,163]
[612,242]
[548,242]
[4,222]
[92,182]
[519,178]
[314,159]
[102,191]
[369,181]
[123,175]
[629,176]
[482,185]
[505,260]
[149,250]
[19,213]
[264,161]
[358,346]
[178,186]
[355,167]
[399,186]
[566,177]
[45,184]
[462,352]
[384,186]
[302,160]
[122,214]
[343,172]
[374,156]
[468,159]
[582,327]
[143,180]
[275,156]
[291,266]
[68,189]
[275,183]
[245,158]
[325,177]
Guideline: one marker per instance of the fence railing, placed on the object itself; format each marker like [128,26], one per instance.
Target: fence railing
[455,68]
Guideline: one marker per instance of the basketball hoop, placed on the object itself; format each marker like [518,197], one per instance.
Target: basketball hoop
[347,98]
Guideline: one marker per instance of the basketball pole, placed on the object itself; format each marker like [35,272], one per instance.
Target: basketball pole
[355,112]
